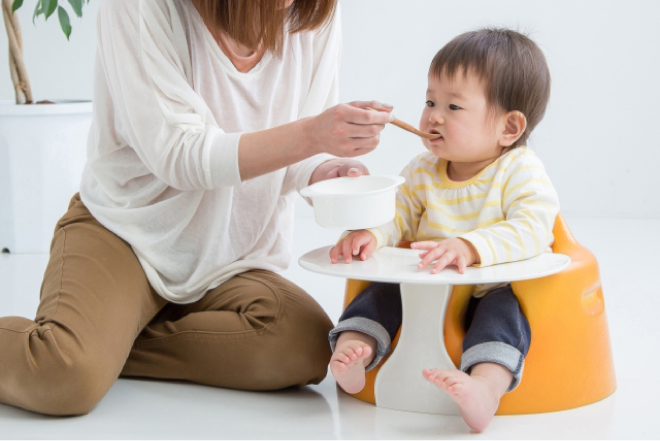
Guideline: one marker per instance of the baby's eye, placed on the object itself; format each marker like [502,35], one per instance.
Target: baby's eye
[454,107]
[430,103]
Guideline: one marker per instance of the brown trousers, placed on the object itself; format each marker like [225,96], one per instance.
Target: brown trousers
[99,318]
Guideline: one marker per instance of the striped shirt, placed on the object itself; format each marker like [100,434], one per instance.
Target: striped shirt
[506,211]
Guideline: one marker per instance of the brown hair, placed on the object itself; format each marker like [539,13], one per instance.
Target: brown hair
[251,22]
[510,63]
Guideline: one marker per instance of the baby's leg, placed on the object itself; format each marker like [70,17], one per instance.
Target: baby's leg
[494,351]
[478,394]
[364,334]
[353,352]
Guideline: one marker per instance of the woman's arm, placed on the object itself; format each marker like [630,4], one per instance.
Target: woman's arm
[170,127]
[345,130]
[323,48]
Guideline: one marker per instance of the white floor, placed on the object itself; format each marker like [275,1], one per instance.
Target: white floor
[626,250]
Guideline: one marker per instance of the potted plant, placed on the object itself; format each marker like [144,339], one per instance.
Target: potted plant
[42,144]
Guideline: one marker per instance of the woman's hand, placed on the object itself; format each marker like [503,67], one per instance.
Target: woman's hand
[358,243]
[345,130]
[348,130]
[453,251]
[336,168]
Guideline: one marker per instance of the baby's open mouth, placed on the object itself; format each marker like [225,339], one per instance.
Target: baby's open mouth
[435,132]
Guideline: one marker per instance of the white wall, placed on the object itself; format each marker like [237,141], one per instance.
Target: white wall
[598,139]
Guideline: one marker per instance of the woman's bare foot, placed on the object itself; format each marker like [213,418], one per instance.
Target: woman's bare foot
[477,396]
[348,362]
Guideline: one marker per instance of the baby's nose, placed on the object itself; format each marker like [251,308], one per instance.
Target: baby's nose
[437,118]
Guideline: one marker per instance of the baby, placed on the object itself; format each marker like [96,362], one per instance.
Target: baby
[478,197]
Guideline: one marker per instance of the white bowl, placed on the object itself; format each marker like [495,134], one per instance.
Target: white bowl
[354,203]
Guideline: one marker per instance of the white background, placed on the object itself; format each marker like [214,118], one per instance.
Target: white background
[599,137]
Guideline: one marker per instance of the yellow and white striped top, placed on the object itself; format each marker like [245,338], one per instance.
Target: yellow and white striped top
[506,211]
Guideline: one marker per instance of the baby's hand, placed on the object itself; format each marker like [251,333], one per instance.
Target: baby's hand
[359,242]
[452,251]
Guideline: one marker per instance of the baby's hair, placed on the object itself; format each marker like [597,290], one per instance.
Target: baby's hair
[512,66]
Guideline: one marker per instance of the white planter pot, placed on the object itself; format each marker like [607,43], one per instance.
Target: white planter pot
[43,149]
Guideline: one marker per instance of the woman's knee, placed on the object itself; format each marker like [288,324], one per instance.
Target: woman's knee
[290,361]
[73,387]
[305,328]
[282,339]
[297,341]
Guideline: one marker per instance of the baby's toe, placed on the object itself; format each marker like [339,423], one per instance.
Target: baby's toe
[455,389]
[350,353]
[430,374]
[337,365]
[366,351]
[449,380]
[340,357]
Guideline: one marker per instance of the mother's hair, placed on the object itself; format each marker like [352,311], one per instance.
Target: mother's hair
[250,22]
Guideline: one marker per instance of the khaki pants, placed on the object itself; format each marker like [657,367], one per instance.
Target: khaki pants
[99,318]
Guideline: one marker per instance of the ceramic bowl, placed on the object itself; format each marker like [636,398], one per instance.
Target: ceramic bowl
[354,203]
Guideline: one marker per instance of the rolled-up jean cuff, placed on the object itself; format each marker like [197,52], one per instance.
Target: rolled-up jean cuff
[495,352]
[366,326]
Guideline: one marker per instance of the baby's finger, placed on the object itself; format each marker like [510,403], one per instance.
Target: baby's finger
[461,263]
[358,243]
[430,256]
[424,245]
[442,262]
[335,252]
[347,250]
[368,249]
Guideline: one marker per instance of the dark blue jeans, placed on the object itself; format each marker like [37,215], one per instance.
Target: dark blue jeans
[497,331]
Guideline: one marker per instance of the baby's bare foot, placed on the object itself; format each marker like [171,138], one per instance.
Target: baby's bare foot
[347,364]
[473,394]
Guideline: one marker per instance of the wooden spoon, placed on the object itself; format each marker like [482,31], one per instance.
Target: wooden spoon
[408,127]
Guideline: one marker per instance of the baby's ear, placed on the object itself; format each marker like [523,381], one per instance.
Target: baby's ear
[515,124]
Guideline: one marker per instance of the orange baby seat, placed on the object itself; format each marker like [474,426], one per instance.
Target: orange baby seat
[569,363]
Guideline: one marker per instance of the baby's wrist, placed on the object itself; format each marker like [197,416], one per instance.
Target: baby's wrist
[473,255]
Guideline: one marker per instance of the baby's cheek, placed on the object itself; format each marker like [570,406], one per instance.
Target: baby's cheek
[461,134]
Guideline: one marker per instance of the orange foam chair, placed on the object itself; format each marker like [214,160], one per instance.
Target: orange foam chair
[569,363]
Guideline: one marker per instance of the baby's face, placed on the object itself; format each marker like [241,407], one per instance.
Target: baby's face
[459,111]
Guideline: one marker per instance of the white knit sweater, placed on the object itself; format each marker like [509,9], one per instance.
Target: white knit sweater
[169,109]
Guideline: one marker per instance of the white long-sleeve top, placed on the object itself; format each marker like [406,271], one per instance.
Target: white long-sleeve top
[506,211]
[169,109]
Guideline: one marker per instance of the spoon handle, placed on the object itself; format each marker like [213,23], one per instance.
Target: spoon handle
[408,127]
[411,129]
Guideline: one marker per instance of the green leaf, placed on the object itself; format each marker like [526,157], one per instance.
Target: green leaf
[37,10]
[17,4]
[77,6]
[49,7]
[64,21]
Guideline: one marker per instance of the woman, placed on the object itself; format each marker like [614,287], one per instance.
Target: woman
[209,116]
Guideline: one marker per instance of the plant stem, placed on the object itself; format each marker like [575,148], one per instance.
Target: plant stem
[16,63]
